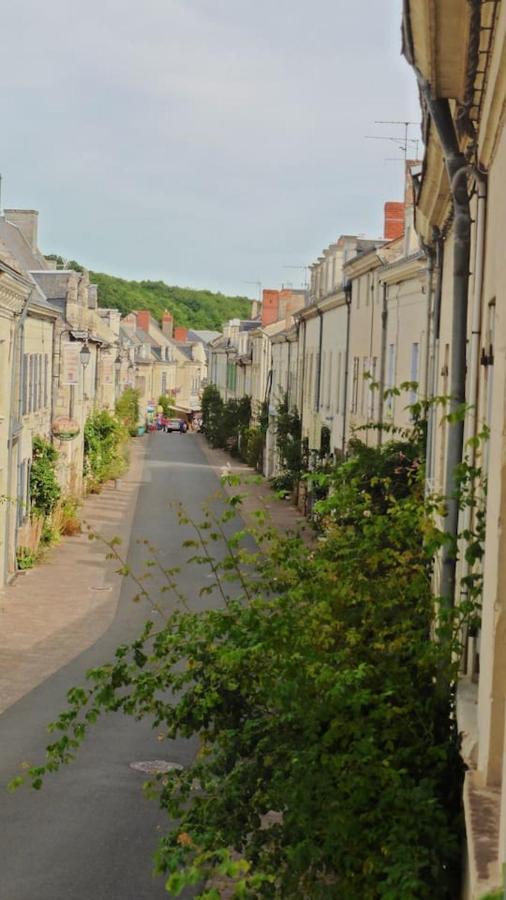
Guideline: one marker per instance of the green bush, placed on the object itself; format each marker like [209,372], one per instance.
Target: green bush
[212,413]
[44,488]
[167,404]
[104,438]
[252,447]
[25,559]
[289,439]
[127,408]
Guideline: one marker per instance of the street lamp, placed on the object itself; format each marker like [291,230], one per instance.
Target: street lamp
[85,355]
[117,364]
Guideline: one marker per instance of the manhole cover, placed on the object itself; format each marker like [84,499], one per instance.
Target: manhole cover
[105,587]
[155,766]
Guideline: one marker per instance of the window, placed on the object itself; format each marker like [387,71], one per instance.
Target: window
[364,385]
[414,370]
[389,407]
[39,381]
[31,383]
[164,383]
[354,389]
[26,386]
[329,380]
[46,379]
[371,405]
[317,375]
[338,381]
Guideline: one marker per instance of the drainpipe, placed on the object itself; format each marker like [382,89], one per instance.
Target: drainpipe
[15,414]
[383,354]
[287,339]
[474,355]
[432,378]
[429,252]
[320,345]
[347,295]
[302,373]
[474,351]
[457,169]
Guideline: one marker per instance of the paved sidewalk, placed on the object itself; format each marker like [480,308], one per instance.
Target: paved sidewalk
[53,612]
[283,514]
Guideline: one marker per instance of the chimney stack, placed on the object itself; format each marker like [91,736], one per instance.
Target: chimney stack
[270,307]
[143,320]
[180,333]
[394,220]
[167,324]
[27,221]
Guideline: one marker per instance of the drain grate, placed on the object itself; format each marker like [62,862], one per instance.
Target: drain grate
[155,766]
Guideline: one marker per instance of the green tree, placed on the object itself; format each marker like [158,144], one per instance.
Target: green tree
[328,755]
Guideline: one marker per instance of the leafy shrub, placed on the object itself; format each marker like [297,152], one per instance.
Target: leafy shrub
[127,408]
[44,488]
[167,404]
[65,517]
[316,694]
[212,412]
[25,559]
[288,439]
[104,437]
[252,447]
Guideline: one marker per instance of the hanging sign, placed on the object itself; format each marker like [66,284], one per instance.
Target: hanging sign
[70,363]
[65,429]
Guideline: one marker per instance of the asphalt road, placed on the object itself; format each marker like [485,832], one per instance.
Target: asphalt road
[89,834]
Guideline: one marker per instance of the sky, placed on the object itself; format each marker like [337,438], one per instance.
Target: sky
[208,143]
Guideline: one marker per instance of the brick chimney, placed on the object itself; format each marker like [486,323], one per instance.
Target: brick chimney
[270,307]
[394,220]
[180,333]
[143,319]
[27,221]
[167,324]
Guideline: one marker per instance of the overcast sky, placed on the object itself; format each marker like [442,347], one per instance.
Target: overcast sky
[205,142]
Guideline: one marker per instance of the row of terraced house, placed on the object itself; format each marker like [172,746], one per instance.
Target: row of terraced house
[423,308]
[61,358]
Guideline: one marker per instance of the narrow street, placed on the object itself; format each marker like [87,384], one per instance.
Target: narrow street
[90,833]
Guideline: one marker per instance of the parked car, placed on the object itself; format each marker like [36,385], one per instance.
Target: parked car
[175,425]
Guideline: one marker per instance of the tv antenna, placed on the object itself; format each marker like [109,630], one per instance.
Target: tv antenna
[403,141]
[300,269]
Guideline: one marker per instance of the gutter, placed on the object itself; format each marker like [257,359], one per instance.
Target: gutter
[456,167]
[320,345]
